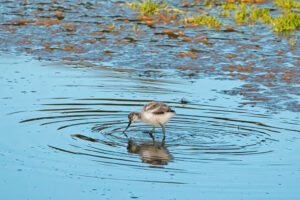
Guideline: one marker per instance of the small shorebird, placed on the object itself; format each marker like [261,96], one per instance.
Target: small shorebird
[154,113]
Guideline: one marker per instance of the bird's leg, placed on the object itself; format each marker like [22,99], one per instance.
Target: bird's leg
[163,141]
[150,133]
[152,139]
[163,129]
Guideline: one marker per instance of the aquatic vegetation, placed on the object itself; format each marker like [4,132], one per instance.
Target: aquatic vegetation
[261,14]
[287,4]
[203,20]
[242,15]
[287,22]
[147,7]
[229,6]
[252,14]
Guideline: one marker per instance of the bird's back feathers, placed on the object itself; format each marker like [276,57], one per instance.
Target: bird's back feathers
[157,108]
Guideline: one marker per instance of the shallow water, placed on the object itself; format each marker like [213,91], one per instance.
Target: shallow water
[235,91]
[62,137]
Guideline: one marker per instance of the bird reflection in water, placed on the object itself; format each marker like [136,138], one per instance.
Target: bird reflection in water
[155,154]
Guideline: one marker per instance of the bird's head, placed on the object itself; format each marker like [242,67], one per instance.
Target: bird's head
[132,116]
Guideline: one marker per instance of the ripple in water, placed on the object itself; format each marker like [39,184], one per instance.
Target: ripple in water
[197,132]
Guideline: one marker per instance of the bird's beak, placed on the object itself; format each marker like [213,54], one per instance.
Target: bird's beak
[127,127]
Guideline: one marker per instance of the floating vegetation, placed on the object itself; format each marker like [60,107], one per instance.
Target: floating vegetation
[261,14]
[243,14]
[287,4]
[203,20]
[288,22]
[229,6]
[252,14]
[246,13]
[147,7]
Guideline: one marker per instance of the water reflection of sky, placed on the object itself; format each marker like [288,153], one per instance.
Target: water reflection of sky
[70,142]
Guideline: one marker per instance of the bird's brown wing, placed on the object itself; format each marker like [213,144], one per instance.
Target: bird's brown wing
[157,108]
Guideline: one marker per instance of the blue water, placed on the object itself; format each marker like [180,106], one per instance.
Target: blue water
[61,130]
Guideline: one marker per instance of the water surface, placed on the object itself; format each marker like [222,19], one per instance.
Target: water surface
[62,137]
[71,71]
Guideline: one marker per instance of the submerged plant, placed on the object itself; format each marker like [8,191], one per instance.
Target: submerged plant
[147,7]
[288,22]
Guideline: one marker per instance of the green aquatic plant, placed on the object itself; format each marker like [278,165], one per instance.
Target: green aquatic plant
[203,20]
[147,7]
[242,15]
[252,14]
[287,22]
[226,8]
[287,4]
[261,14]
[229,6]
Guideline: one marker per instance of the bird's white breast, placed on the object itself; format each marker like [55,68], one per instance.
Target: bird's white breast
[156,119]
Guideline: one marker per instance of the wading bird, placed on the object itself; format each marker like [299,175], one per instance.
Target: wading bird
[154,113]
